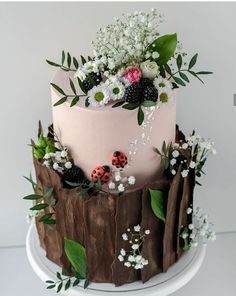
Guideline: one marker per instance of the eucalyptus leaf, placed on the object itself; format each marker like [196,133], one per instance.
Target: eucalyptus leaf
[50,222]
[83,60]
[195,75]
[40,206]
[57,88]
[75,253]
[32,197]
[86,283]
[53,64]
[179,61]
[157,203]
[61,101]
[72,86]
[63,56]
[157,151]
[49,282]
[118,104]
[30,179]
[89,58]
[168,69]
[179,81]
[74,101]
[76,282]
[68,59]
[75,63]
[51,286]
[46,217]
[67,286]
[130,106]
[204,73]
[59,287]
[192,61]
[81,85]
[59,276]
[184,76]
[148,103]
[140,116]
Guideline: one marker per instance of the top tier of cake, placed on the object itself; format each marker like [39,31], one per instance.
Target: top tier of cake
[93,134]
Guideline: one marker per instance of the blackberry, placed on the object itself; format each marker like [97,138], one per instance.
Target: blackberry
[133,93]
[150,93]
[73,175]
[91,80]
[146,82]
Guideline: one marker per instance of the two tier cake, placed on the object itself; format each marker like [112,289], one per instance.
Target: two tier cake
[113,196]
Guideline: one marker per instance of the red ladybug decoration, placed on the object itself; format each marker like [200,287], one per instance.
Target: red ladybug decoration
[119,159]
[101,172]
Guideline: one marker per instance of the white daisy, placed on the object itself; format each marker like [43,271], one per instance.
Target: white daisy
[90,66]
[98,95]
[165,95]
[117,90]
[79,73]
[161,82]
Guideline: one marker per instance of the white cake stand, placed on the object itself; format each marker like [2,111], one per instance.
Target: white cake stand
[161,285]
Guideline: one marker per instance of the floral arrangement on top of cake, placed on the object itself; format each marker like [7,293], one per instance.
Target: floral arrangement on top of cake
[132,66]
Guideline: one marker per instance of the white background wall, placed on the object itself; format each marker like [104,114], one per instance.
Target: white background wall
[32,32]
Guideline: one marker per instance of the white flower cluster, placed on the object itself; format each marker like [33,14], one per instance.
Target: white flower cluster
[58,161]
[200,228]
[133,257]
[111,89]
[124,43]
[200,150]
[121,183]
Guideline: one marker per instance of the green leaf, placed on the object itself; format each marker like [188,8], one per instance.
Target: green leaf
[165,46]
[89,58]
[186,240]
[204,73]
[74,101]
[75,62]
[99,185]
[72,86]
[45,217]
[53,64]
[179,81]
[130,106]
[32,197]
[140,116]
[49,282]
[162,71]
[148,103]
[179,61]
[83,60]
[57,88]
[63,56]
[68,59]
[158,151]
[39,207]
[75,253]
[195,75]
[81,85]
[76,282]
[30,179]
[59,287]
[168,69]
[86,283]
[118,104]
[59,276]
[48,192]
[67,286]
[61,101]
[184,76]
[51,286]
[192,61]
[157,203]
[50,222]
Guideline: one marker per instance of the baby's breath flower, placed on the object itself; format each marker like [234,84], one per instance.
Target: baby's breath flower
[125,236]
[131,180]
[68,165]
[112,185]
[175,153]
[137,228]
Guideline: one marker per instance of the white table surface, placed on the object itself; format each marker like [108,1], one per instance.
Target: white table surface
[217,276]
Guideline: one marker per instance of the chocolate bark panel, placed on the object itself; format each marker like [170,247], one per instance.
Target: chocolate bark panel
[187,200]
[128,214]
[171,223]
[99,213]
[152,249]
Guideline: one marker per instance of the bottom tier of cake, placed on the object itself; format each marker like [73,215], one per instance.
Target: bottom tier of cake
[103,222]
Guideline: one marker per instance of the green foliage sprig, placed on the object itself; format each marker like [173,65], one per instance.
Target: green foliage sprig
[44,145]
[182,78]
[75,253]
[164,154]
[66,62]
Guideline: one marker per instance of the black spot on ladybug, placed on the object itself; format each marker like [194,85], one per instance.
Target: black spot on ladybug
[106,168]
[116,153]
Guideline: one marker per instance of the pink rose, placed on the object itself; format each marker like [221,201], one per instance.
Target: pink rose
[132,74]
